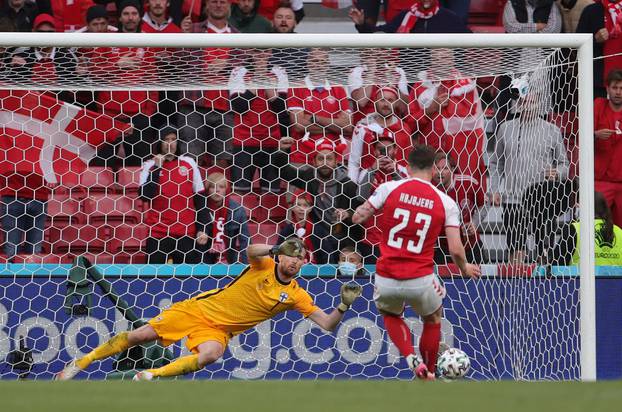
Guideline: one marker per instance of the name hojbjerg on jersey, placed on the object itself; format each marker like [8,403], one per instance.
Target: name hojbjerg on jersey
[416,201]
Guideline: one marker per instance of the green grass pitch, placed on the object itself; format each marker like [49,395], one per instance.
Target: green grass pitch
[302,396]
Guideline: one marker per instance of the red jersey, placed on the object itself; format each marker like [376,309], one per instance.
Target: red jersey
[326,101]
[44,68]
[150,26]
[257,127]
[70,15]
[364,136]
[458,129]
[105,64]
[607,152]
[414,213]
[213,99]
[172,212]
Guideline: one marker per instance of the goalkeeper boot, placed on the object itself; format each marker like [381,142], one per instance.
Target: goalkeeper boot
[69,372]
[143,376]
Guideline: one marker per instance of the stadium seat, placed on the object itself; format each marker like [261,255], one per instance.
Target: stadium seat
[267,233]
[127,238]
[276,206]
[103,208]
[64,209]
[42,258]
[78,239]
[97,179]
[511,270]
[129,178]
[486,14]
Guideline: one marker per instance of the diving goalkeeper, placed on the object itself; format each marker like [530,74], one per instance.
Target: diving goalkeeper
[264,289]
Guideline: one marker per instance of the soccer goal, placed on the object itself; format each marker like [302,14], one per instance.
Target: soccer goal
[95,245]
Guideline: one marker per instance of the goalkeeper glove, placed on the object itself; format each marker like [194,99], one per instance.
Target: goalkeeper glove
[293,247]
[349,292]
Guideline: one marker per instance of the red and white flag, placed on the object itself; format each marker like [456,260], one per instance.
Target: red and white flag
[43,135]
[337,4]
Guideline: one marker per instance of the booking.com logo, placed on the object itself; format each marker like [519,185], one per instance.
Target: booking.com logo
[262,355]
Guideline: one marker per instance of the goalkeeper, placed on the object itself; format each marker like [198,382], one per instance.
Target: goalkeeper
[264,289]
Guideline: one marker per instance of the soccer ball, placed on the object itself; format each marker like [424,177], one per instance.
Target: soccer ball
[453,364]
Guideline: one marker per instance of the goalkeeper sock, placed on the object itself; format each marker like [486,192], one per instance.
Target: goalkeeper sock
[400,334]
[115,345]
[181,366]
[428,344]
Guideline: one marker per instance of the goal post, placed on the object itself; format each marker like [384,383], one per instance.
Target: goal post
[413,51]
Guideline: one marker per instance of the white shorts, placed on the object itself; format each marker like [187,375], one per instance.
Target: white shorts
[424,294]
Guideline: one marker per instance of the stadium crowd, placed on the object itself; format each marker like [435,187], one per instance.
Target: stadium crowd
[203,173]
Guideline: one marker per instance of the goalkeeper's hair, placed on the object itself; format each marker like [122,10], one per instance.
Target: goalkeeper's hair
[421,157]
[602,211]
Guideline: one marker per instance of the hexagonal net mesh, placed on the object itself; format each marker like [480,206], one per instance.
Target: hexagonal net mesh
[163,156]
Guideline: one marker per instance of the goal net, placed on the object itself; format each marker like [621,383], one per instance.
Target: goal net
[136,171]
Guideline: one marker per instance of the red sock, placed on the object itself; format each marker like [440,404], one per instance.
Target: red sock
[399,333]
[428,344]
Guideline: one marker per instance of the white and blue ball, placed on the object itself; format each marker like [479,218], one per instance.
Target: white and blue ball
[453,364]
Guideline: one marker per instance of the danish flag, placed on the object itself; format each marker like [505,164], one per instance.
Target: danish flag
[42,135]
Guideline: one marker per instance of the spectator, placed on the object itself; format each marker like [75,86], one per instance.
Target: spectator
[245,17]
[530,159]
[293,60]
[319,110]
[351,263]
[205,117]
[284,20]
[97,21]
[469,197]
[382,122]
[448,114]
[268,8]
[70,15]
[300,224]
[601,19]
[229,236]
[126,66]
[155,19]
[173,187]
[607,239]
[378,69]
[256,126]
[335,197]
[392,8]
[43,65]
[425,16]
[608,145]
[129,17]
[532,16]
[383,151]
[22,12]
[571,11]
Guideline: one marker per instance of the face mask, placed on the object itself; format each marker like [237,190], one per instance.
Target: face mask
[347,268]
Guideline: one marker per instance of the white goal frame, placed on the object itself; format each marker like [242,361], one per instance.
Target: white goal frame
[581,42]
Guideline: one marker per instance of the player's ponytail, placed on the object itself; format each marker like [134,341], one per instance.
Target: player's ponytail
[602,211]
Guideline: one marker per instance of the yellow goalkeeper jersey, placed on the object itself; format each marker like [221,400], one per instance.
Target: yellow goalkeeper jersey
[255,295]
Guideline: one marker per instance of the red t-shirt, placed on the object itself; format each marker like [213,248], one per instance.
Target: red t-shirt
[414,213]
[257,127]
[70,15]
[172,212]
[104,65]
[607,152]
[328,101]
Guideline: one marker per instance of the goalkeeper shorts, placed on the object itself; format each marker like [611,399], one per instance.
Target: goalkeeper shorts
[185,319]
[424,294]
